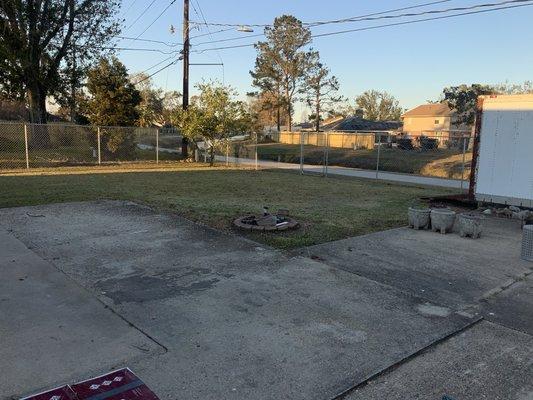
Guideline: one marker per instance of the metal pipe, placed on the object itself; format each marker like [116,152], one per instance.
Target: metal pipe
[157,146]
[26,146]
[301,153]
[98,145]
[377,160]
[463,163]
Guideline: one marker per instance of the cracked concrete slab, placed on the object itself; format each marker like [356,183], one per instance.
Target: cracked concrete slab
[53,331]
[445,269]
[240,321]
[512,307]
[487,361]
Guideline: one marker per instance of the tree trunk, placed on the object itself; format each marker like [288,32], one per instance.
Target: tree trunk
[278,116]
[289,116]
[317,111]
[40,138]
[212,156]
[184,147]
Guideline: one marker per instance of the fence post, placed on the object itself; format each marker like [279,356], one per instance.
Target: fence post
[301,152]
[327,155]
[98,145]
[379,153]
[157,146]
[26,146]
[463,163]
[256,158]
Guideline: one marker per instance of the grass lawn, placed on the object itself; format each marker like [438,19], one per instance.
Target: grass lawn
[328,209]
[444,163]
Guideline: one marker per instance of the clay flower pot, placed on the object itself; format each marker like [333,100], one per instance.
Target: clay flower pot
[470,225]
[418,217]
[442,220]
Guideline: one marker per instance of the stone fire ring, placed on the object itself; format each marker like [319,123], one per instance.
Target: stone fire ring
[291,224]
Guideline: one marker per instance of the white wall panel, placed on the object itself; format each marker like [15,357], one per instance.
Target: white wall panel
[505,164]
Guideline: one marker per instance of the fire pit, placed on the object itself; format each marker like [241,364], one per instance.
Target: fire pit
[266,222]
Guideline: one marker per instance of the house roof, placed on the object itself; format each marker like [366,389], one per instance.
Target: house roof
[355,123]
[430,110]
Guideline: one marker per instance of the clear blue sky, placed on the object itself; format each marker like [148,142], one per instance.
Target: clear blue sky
[412,62]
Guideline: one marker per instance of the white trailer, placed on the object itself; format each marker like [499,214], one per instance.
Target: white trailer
[504,171]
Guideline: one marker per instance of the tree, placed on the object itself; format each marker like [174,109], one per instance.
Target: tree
[379,106]
[265,106]
[321,89]
[36,38]
[113,101]
[463,100]
[212,116]
[150,108]
[282,61]
[511,88]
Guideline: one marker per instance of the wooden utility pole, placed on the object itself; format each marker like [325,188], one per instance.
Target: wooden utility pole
[185,141]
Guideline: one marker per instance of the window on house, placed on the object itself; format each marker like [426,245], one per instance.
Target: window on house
[437,122]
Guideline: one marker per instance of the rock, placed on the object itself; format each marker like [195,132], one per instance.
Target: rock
[488,211]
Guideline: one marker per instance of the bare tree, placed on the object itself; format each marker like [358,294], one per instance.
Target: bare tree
[321,89]
[282,61]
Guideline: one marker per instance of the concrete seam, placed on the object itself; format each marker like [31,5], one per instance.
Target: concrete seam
[404,360]
[98,299]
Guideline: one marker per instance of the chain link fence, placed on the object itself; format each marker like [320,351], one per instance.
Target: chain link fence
[386,155]
[24,145]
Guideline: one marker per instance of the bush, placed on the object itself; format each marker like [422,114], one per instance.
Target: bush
[118,144]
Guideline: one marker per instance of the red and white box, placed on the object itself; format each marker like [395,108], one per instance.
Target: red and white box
[117,385]
[61,393]
[122,384]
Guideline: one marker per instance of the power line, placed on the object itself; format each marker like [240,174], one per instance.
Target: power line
[141,14]
[212,33]
[150,41]
[383,25]
[374,17]
[230,39]
[207,27]
[155,20]
[158,71]
[325,22]
[443,11]
[139,49]
[158,64]
[129,8]
[318,23]
[424,19]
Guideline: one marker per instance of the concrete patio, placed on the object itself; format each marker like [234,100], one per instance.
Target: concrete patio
[200,314]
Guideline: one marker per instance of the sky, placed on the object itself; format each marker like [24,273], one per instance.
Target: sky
[412,62]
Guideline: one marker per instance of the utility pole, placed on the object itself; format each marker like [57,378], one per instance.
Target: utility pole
[185,141]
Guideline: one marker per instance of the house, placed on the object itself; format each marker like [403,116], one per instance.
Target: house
[433,120]
[358,123]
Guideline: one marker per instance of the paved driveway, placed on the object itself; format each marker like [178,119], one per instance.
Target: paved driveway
[200,314]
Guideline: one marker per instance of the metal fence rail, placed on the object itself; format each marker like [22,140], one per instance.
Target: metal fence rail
[434,158]
[386,155]
[24,145]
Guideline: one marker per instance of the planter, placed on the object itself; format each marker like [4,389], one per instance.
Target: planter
[442,220]
[418,217]
[470,225]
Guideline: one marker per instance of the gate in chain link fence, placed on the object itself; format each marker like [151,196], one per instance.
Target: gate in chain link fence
[24,145]
[381,155]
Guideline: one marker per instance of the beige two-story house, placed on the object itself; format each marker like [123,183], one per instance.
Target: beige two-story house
[428,120]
